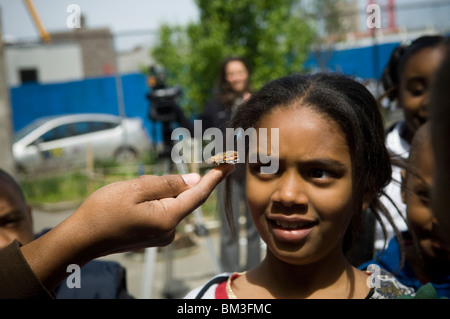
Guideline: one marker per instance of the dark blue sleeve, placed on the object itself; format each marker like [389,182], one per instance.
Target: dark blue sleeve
[99,280]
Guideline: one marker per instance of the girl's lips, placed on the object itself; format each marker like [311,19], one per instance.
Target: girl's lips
[290,228]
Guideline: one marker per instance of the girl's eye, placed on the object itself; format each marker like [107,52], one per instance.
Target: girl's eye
[321,176]
[255,169]
[424,197]
[416,88]
[320,173]
[416,92]
[10,223]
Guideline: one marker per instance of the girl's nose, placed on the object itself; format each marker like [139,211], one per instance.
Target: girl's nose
[291,190]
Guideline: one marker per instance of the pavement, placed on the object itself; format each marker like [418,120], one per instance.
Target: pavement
[192,262]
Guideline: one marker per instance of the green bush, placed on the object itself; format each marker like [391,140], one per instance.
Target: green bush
[53,189]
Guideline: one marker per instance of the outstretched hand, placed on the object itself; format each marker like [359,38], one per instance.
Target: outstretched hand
[122,216]
[144,212]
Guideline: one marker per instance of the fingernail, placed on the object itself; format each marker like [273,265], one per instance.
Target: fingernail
[191,179]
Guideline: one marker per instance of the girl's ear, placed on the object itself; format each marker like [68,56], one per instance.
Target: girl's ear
[403,185]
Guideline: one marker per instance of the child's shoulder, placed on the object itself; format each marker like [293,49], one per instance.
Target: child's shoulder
[384,285]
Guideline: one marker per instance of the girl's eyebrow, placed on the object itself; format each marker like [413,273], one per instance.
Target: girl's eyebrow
[324,162]
[10,214]
[415,78]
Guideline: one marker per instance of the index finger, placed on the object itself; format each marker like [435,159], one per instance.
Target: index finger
[149,187]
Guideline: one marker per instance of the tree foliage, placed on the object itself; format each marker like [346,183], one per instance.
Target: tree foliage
[273,36]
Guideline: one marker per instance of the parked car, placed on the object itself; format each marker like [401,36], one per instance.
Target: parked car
[60,141]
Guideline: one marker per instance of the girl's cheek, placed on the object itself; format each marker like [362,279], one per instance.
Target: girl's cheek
[257,198]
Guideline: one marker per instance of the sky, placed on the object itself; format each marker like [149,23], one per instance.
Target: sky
[123,17]
[134,22]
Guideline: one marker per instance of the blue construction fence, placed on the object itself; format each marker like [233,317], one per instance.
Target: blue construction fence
[364,62]
[95,95]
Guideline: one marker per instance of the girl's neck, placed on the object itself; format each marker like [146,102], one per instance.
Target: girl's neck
[330,278]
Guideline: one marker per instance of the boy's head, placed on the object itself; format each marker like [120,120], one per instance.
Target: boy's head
[15,214]
[416,191]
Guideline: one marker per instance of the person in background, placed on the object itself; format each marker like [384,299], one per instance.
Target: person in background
[118,217]
[99,279]
[440,131]
[232,89]
[407,79]
[427,253]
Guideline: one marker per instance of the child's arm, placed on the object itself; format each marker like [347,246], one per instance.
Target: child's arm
[121,216]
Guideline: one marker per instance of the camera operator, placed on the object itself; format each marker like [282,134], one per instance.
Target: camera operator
[164,107]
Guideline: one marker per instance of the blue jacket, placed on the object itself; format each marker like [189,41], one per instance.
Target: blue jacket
[390,261]
[100,279]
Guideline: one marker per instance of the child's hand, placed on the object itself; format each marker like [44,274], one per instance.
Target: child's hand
[122,216]
[144,212]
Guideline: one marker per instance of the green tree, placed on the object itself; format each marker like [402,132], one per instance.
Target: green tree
[273,36]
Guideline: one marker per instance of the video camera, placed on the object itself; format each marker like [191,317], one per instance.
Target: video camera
[164,107]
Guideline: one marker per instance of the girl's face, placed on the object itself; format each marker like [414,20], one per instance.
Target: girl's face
[415,85]
[15,217]
[416,194]
[303,210]
[236,74]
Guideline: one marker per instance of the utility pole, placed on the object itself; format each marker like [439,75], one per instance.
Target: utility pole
[6,130]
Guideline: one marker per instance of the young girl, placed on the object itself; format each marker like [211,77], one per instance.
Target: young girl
[407,79]
[332,165]
[427,253]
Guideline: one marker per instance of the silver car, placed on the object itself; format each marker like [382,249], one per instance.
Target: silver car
[68,140]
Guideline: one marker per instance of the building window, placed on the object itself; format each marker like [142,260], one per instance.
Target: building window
[28,75]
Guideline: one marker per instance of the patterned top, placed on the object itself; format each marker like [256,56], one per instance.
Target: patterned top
[383,285]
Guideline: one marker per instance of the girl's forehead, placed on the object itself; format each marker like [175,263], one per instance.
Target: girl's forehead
[303,131]
[294,116]
[425,60]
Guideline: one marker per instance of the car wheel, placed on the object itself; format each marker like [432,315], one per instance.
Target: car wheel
[126,155]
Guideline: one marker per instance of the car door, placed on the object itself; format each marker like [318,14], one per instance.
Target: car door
[59,147]
[104,136]
[95,137]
